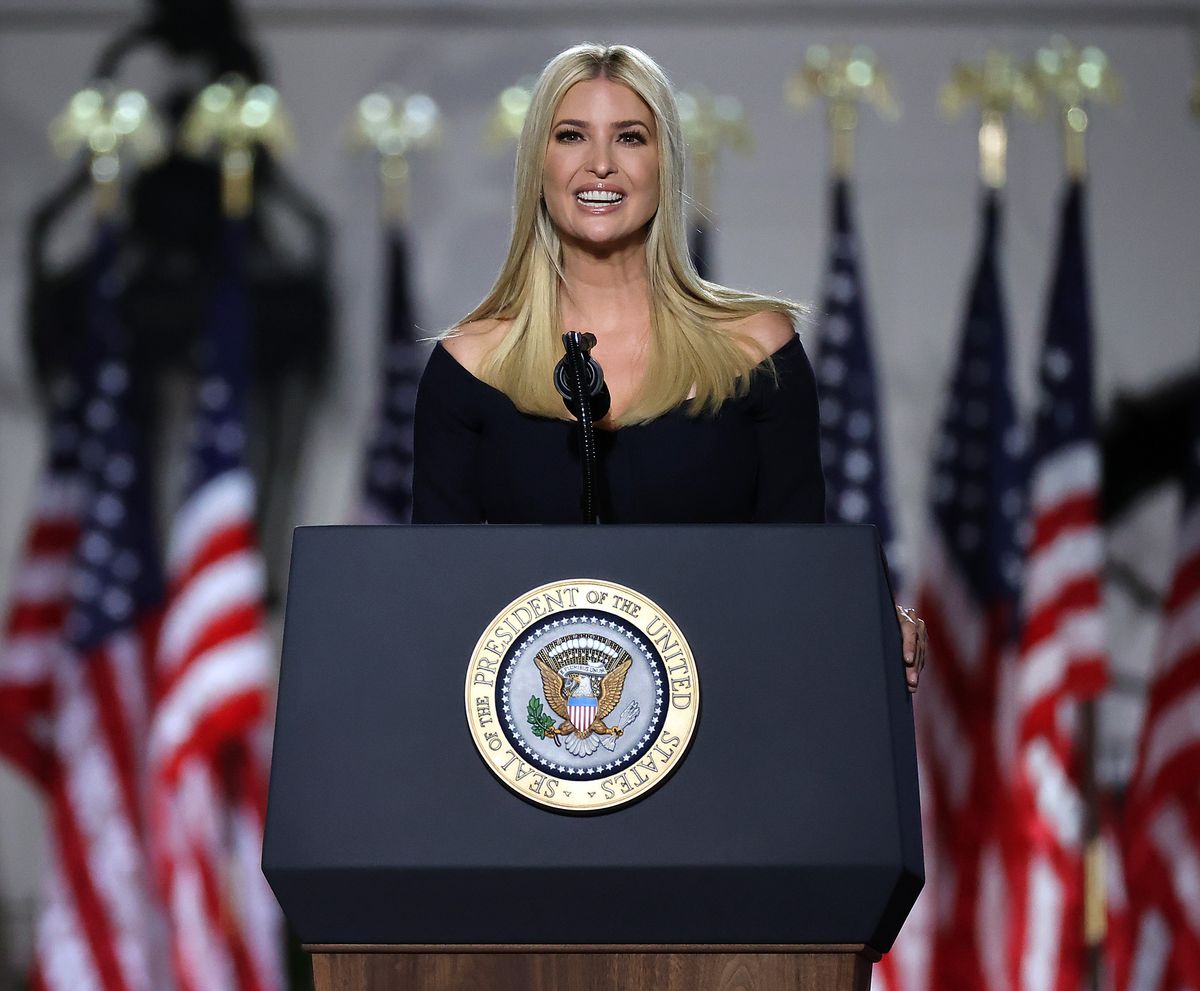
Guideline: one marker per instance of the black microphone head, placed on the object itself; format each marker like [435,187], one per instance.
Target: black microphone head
[593,377]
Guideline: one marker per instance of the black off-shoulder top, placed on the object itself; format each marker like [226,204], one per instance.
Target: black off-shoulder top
[477,458]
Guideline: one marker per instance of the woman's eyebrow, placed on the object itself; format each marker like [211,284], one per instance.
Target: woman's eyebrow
[585,124]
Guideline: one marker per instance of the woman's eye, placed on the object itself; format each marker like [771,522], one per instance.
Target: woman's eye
[567,135]
[632,137]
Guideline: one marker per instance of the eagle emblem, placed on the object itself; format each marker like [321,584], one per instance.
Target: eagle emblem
[583,677]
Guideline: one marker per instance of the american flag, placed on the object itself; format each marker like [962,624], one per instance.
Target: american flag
[41,588]
[96,926]
[969,595]
[1162,822]
[213,675]
[388,488]
[1062,645]
[856,488]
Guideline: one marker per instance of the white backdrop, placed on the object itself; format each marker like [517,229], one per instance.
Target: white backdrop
[916,206]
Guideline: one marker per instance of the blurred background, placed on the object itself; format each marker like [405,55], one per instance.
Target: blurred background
[275,238]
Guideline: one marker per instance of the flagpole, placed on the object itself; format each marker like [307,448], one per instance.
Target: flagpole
[978,502]
[91,536]
[236,118]
[844,78]
[999,86]
[852,450]
[217,746]
[108,125]
[391,122]
[710,124]
[1070,78]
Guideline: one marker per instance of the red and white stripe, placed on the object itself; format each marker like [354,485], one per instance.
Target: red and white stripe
[213,670]
[1162,825]
[1063,645]
[1169,759]
[97,928]
[1047,952]
[954,937]
[1062,662]
[213,676]
[582,715]
[33,635]
[225,916]
[1163,878]
[77,726]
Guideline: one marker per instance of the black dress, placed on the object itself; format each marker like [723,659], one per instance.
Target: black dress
[480,459]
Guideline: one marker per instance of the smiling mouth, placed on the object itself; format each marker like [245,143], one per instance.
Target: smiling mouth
[599,199]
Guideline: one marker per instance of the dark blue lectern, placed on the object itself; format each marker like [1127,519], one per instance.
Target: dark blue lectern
[786,842]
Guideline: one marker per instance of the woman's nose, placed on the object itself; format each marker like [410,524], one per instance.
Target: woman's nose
[601,164]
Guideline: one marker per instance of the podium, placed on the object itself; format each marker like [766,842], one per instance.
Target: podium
[782,851]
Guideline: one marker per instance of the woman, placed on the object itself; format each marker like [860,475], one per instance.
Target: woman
[714,409]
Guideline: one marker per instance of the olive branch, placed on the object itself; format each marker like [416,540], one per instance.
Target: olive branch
[539,721]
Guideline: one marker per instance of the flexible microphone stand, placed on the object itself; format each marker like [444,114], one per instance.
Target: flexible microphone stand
[580,381]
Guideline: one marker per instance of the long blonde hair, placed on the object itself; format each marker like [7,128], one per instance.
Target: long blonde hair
[688,349]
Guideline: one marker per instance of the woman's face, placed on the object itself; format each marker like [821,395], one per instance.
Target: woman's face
[600,180]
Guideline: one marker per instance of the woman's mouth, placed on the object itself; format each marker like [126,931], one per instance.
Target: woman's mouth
[599,200]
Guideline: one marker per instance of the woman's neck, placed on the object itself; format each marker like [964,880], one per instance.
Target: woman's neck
[606,294]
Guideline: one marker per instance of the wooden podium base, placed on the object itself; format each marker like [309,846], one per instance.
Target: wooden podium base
[592,968]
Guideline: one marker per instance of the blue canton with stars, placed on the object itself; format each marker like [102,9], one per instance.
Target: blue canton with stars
[116,577]
[513,710]
[218,439]
[856,488]
[978,496]
[388,494]
[1065,414]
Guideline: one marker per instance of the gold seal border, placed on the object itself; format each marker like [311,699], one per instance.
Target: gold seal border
[619,788]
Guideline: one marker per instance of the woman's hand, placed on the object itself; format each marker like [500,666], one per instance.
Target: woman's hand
[915,645]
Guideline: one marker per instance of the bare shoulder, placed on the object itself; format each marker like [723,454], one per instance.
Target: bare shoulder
[470,343]
[767,331]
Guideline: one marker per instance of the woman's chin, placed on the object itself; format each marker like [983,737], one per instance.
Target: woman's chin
[602,242]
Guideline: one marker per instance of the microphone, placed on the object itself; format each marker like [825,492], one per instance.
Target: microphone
[579,379]
[592,379]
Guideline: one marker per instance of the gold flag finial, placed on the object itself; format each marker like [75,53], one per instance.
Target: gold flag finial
[108,124]
[999,85]
[1071,78]
[843,77]
[711,123]
[508,116]
[236,118]
[394,122]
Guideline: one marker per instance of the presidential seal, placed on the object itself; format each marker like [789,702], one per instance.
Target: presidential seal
[582,695]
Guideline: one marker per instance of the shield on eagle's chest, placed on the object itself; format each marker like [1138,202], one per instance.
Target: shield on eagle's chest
[582,712]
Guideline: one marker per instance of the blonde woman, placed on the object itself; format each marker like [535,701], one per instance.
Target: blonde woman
[701,427]
[714,409]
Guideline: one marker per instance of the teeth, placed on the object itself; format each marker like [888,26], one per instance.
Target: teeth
[599,196]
